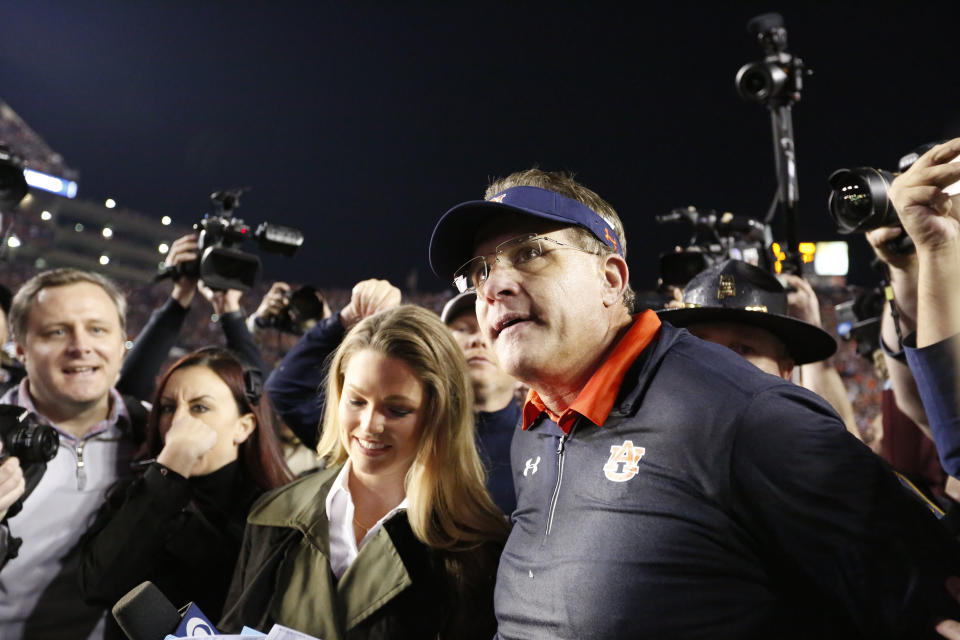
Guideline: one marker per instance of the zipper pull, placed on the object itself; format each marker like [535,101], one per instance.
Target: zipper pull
[81,468]
[560,444]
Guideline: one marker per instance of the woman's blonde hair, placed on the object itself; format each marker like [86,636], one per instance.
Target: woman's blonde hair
[449,504]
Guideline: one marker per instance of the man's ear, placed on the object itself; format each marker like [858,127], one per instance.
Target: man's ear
[246,425]
[21,354]
[786,367]
[616,276]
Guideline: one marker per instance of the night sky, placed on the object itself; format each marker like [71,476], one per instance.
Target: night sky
[363,122]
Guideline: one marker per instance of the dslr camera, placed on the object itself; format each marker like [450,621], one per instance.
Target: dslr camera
[34,443]
[858,200]
[25,437]
[306,306]
[859,319]
[222,264]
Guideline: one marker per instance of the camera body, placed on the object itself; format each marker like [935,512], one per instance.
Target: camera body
[306,306]
[859,319]
[716,237]
[221,263]
[859,200]
[25,437]
[778,78]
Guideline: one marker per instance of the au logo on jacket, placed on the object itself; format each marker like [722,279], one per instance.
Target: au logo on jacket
[622,464]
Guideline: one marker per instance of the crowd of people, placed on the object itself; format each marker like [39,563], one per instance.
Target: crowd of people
[536,456]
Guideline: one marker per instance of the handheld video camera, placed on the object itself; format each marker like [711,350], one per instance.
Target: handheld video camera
[716,237]
[306,306]
[222,264]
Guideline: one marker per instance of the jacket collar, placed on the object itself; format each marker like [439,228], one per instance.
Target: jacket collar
[300,505]
[376,576]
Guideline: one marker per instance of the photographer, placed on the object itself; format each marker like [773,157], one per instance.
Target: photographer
[279,310]
[153,344]
[293,387]
[931,217]
[69,328]
[276,311]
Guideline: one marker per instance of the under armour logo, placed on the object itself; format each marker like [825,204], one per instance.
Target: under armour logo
[497,198]
[531,466]
[622,464]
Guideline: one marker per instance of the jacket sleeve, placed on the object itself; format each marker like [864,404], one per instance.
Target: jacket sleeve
[831,519]
[124,543]
[294,387]
[937,372]
[472,616]
[241,342]
[255,577]
[150,350]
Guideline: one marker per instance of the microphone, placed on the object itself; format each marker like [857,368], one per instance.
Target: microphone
[144,613]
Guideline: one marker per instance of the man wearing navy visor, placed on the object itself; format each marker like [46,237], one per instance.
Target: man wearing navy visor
[667,488]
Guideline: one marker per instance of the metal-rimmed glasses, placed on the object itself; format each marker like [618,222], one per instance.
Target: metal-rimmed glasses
[522,253]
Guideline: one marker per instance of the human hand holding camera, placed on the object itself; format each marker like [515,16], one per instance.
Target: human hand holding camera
[928,210]
[367,298]
[928,205]
[273,304]
[12,483]
[221,301]
[182,251]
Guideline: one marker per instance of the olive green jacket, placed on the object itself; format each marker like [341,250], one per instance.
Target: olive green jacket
[397,587]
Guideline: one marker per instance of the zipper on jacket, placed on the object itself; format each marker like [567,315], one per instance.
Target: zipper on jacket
[556,489]
[81,469]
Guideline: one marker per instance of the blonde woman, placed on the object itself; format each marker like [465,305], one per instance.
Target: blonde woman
[397,536]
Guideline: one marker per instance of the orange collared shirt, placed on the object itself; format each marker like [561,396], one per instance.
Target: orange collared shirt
[597,397]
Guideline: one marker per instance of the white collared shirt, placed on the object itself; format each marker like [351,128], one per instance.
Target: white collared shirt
[343,542]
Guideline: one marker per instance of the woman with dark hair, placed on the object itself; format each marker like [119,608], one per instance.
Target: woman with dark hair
[210,450]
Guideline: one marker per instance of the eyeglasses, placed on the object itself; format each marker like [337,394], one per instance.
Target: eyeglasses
[523,253]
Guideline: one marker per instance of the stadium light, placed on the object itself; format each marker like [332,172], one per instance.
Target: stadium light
[163,248]
[104,259]
[46,215]
[166,221]
[50,183]
[107,232]
[110,203]
[13,242]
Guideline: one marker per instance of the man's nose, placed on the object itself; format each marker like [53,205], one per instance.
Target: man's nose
[501,279]
[79,341]
[474,339]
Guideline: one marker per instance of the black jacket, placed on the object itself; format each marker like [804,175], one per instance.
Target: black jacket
[182,534]
[716,501]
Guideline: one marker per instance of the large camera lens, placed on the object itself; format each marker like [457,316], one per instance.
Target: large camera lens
[32,441]
[759,81]
[858,199]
